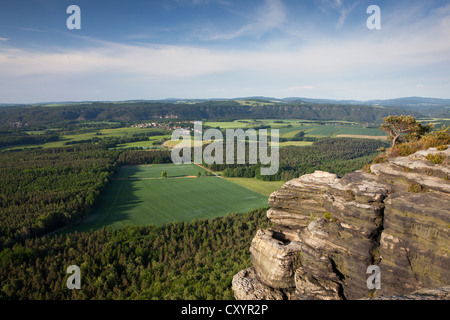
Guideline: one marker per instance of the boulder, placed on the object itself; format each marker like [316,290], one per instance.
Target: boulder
[275,258]
[246,286]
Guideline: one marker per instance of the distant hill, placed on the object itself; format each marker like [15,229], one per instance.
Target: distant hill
[420,104]
[425,106]
[253,108]
[331,101]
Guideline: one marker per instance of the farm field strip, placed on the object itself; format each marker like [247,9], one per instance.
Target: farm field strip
[361,136]
[143,201]
[154,171]
[263,187]
[117,132]
[310,127]
[294,143]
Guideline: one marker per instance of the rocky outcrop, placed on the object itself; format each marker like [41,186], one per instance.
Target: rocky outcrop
[442,293]
[251,289]
[328,230]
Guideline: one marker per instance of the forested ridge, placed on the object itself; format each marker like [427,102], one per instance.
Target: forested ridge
[31,117]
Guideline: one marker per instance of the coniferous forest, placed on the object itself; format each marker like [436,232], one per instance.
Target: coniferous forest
[180,260]
[338,155]
[44,190]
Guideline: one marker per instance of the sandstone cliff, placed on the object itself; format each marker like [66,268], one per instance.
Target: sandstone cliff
[328,230]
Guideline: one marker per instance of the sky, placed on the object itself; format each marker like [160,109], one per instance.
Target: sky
[200,49]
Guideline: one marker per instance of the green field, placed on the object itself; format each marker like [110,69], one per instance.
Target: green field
[294,143]
[362,132]
[290,132]
[117,132]
[154,171]
[142,199]
[288,128]
[149,144]
[323,131]
[250,123]
[263,187]
[228,124]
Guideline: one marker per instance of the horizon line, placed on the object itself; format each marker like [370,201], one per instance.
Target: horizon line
[209,99]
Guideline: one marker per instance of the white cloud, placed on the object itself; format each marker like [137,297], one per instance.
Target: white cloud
[4,39]
[32,29]
[299,88]
[343,59]
[167,61]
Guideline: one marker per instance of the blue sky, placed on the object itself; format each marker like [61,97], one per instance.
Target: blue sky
[157,49]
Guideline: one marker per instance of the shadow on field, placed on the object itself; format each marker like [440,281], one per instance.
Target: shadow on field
[126,172]
[112,209]
[118,201]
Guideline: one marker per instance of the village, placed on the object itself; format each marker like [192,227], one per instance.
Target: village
[184,127]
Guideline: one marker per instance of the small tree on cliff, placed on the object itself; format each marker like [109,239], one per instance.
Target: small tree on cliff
[404,128]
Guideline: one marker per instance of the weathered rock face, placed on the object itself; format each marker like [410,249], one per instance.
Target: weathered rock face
[442,293]
[275,258]
[307,190]
[415,244]
[328,230]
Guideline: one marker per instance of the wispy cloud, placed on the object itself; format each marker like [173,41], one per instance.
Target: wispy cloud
[341,58]
[32,29]
[270,15]
[4,39]
[200,2]
[339,6]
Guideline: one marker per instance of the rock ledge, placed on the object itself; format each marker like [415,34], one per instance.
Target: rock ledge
[328,230]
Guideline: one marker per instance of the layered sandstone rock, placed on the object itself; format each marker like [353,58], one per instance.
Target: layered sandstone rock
[328,230]
[307,190]
[442,293]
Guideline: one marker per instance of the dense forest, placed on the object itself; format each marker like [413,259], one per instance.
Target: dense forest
[32,117]
[135,157]
[180,260]
[338,155]
[44,189]
[11,138]
[112,142]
